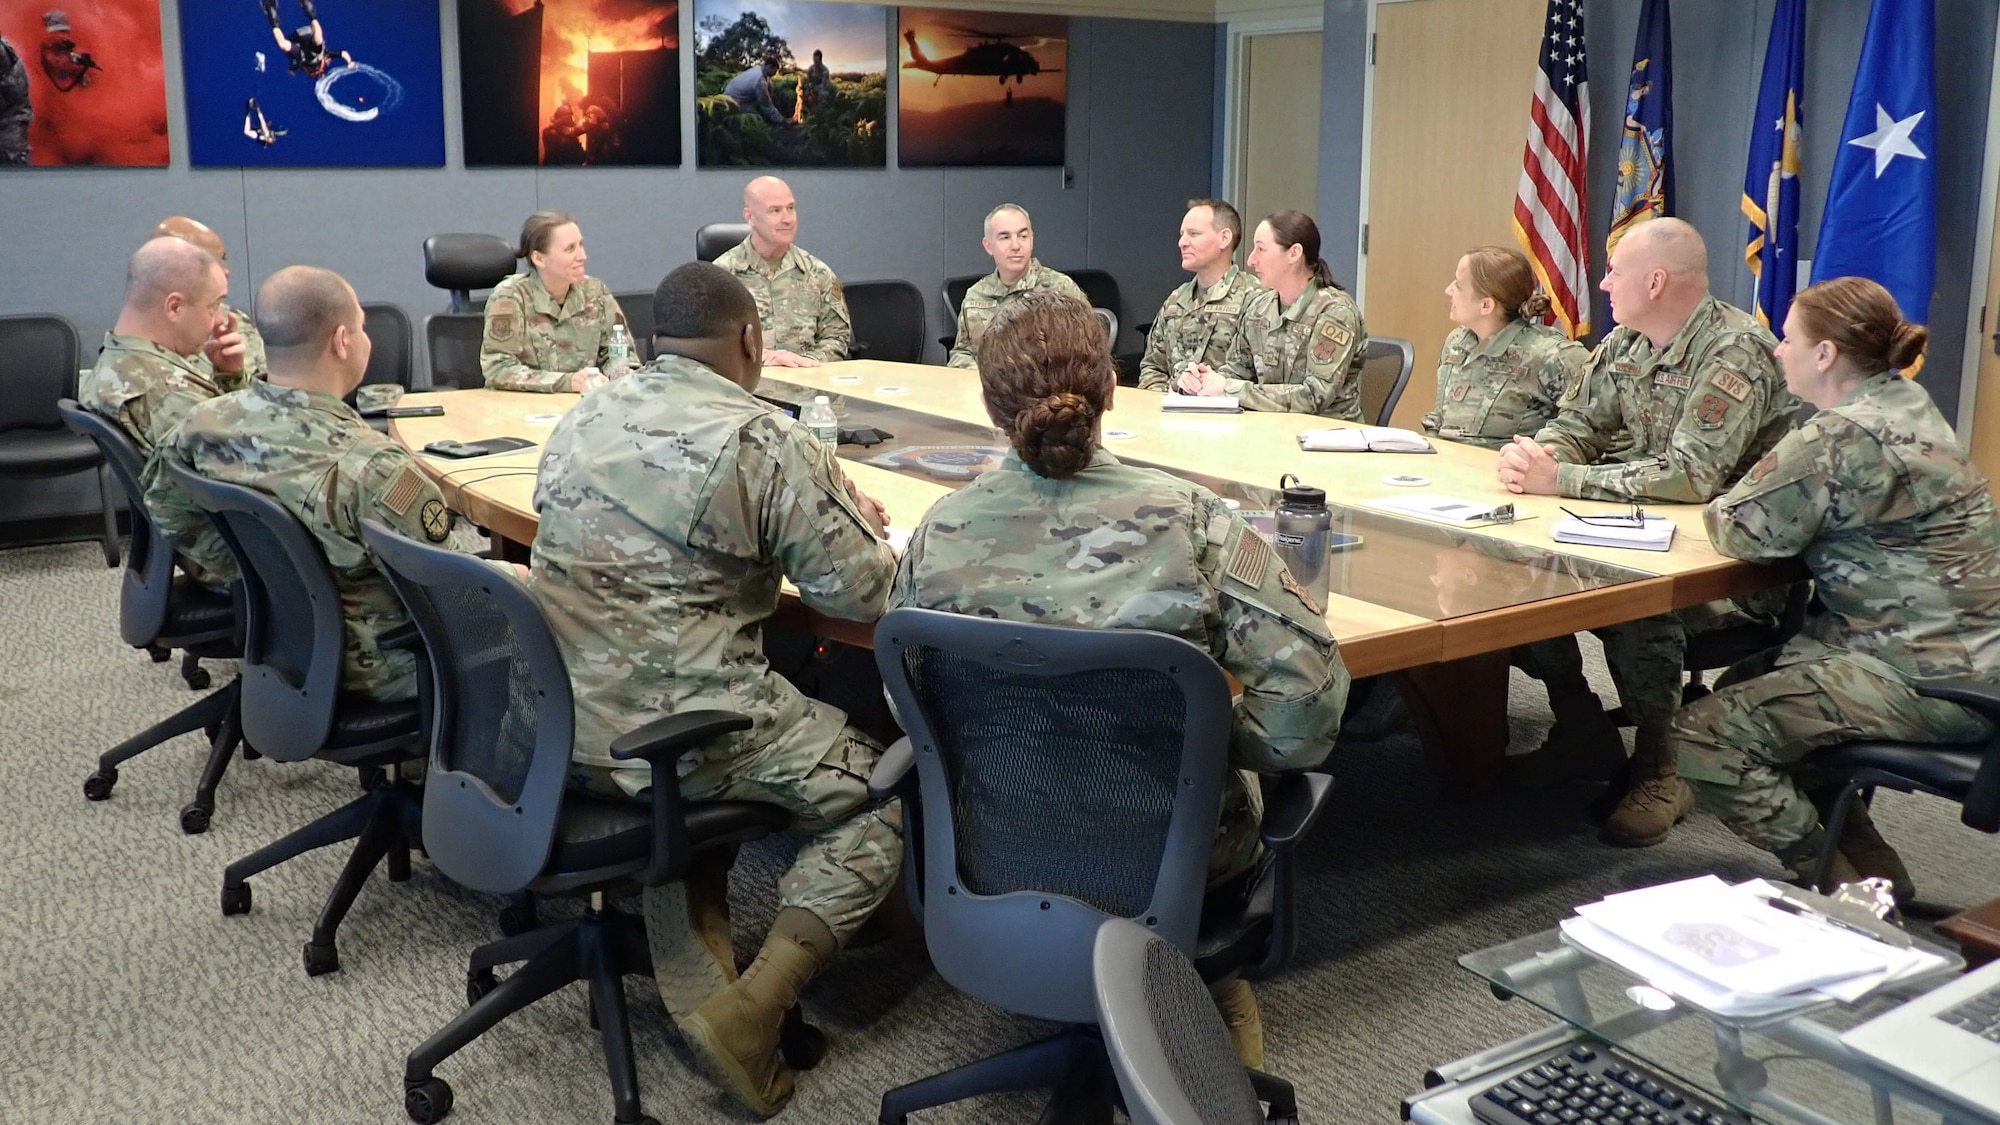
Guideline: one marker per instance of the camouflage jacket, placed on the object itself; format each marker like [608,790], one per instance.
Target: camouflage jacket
[1488,392]
[147,390]
[1194,326]
[315,456]
[1118,546]
[798,299]
[1304,357]
[533,344]
[672,503]
[1883,504]
[1700,411]
[986,296]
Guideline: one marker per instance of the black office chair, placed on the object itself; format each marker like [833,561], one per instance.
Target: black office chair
[462,263]
[38,368]
[955,289]
[390,359]
[1168,1044]
[160,611]
[1132,729]
[293,708]
[452,341]
[639,321]
[1385,371]
[711,241]
[888,319]
[497,818]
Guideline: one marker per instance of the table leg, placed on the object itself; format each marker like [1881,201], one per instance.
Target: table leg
[509,550]
[1459,708]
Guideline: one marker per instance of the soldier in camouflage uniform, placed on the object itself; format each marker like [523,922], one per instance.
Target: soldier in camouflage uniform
[1200,321]
[673,502]
[549,329]
[798,298]
[17,109]
[1693,380]
[160,360]
[1123,547]
[1878,498]
[293,439]
[255,366]
[1010,238]
[1500,373]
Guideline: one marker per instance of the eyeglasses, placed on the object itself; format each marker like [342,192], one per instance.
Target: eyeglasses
[1635,518]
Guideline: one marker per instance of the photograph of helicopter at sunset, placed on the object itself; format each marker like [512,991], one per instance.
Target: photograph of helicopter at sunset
[980,88]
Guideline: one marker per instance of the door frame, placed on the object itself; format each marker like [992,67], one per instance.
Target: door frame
[1978,334]
[1235,88]
[1360,287]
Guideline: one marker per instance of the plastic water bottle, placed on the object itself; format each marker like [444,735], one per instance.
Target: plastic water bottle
[1304,533]
[819,418]
[618,359]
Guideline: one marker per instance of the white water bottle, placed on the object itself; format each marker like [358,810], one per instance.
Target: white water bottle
[818,417]
[618,357]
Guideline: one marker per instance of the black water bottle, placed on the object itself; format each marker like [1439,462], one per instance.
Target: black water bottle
[1304,532]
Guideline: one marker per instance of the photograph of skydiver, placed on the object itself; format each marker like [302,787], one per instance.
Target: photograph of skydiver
[257,127]
[305,50]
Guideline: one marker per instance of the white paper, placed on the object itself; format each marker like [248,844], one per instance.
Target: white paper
[1363,439]
[899,538]
[1210,404]
[1656,535]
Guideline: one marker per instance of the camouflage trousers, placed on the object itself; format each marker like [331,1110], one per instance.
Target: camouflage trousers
[841,875]
[1747,748]
[1237,827]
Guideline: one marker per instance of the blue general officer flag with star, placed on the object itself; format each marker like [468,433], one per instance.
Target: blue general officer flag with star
[1771,184]
[1881,209]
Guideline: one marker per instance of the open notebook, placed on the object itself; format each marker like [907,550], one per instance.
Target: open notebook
[1364,439]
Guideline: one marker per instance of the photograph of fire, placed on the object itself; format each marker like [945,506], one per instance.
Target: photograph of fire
[980,88]
[791,83]
[580,82]
[82,83]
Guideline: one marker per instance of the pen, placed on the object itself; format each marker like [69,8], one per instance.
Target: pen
[1801,911]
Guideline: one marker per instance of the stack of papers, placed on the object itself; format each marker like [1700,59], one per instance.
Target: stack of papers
[1205,404]
[1364,439]
[1728,951]
[1656,535]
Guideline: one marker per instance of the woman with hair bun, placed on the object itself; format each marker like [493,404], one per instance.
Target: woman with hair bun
[548,329]
[1062,533]
[1879,500]
[1500,373]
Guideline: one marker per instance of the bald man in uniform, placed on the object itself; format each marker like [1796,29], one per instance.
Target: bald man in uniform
[255,366]
[798,299]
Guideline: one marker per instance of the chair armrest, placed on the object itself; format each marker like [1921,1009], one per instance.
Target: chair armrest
[893,775]
[658,743]
[404,636]
[1980,695]
[1981,809]
[1292,804]
[1145,329]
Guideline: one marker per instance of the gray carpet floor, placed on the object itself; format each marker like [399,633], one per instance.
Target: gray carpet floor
[125,995]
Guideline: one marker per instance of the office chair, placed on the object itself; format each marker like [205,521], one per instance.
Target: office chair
[1132,727]
[388,328]
[293,708]
[1169,1047]
[1101,289]
[452,341]
[711,241]
[461,263]
[159,611]
[496,816]
[638,308]
[888,318]
[955,289]
[38,363]
[1385,371]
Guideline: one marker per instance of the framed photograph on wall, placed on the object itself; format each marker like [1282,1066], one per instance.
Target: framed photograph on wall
[290,83]
[577,82]
[980,88]
[791,83]
[82,82]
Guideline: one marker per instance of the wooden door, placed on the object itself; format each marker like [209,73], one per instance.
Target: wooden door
[1444,160]
[1280,124]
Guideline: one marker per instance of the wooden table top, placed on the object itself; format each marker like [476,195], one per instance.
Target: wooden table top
[497,493]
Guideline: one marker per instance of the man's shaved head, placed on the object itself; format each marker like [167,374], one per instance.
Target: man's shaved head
[762,188]
[772,213]
[299,307]
[168,265]
[194,231]
[1672,245]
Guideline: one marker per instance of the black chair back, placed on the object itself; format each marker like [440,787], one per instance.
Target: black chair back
[293,630]
[461,263]
[888,319]
[1168,1044]
[954,293]
[638,308]
[452,341]
[500,722]
[1067,776]
[390,360]
[1385,371]
[711,241]
[143,599]
[39,355]
[1101,289]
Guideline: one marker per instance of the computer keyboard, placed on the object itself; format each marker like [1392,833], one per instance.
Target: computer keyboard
[1979,1014]
[1587,1085]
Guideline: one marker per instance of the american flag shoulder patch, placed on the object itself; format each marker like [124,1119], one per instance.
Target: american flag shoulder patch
[404,492]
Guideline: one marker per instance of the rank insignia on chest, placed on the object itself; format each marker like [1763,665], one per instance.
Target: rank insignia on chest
[1673,377]
[1329,341]
[1713,409]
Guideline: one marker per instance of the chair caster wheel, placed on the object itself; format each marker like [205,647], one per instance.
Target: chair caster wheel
[159,655]
[97,787]
[802,1044]
[194,819]
[323,959]
[249,754]
[517,920]
[427,1101]
[198,679]
[236,899]
[478,983]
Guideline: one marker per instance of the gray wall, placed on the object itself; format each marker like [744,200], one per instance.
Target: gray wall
[1718,61]
[1138,149]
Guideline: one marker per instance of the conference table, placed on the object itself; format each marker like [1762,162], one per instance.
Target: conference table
[1437,605]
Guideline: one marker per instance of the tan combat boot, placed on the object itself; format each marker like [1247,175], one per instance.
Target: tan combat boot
[735,1033]
[1238,1005]
[1864,846]
[1657,800]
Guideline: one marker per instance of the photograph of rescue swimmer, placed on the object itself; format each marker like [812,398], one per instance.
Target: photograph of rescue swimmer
[313,83]
[789,84]
[82,83]
[980,88]
[570,82]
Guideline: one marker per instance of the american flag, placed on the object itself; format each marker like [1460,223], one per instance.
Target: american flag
[1549,204]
